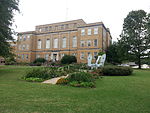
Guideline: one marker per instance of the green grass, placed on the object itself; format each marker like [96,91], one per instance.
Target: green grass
[127,94]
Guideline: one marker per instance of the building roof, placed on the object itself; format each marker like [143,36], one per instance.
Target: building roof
[66,22]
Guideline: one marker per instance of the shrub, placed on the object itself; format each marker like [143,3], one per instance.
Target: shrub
[45,73]
[80,77]
[62,81]
[116,71]
[67,59]
[39,60]
[82,84]
[31,79]
[38,73]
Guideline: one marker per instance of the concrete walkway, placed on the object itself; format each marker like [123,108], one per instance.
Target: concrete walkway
[53,80]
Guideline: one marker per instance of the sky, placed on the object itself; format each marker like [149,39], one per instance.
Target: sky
[110,12]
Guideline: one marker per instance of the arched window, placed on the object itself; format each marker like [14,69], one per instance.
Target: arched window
[39,44]
[47,43]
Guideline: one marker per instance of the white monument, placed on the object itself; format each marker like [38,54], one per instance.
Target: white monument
[99,62]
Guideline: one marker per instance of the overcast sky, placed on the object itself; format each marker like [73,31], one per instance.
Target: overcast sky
[110,12]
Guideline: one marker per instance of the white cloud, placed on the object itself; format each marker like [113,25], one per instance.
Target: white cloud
[111,12]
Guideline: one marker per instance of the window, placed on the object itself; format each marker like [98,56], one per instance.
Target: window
[96,30]
[39,45]
[23,47]
[46,56]
[47,43]
[23,56]
[24,38]
[89,53]
[89,31]
[50,28]
[27,47]
[95,42]
[74,41]
[46,28]
[55,43]
[19,47]
[20,38]
[62,26]
[64,42]
[27,56]
[82,55]
[28,36]
[74,54]
[66,26]
[89,43]
[37,56]
[95,55]
[40,30]
[62,55]
[82,43]
[83,32]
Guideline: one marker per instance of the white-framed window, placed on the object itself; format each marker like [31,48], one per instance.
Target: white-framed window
[27,56]
[62,55]
[18,56]
[24,37]
[74,41]
[47,43]
[23,56]
[74,54]
[89,53]
[96,30]
[40,29]
[46,56]
[23,47]
[56,43]
[27,47]
[37,56]
[64,42]
[95,42]
[19,47]
[82,55]
[39,44]
[89,31]
[82,32]
[95,54]
[88,43]
[20,38]
[82,43]
[28,36]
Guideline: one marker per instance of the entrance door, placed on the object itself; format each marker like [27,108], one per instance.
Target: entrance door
[54,57]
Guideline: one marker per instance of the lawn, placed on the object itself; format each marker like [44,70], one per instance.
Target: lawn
[127,94]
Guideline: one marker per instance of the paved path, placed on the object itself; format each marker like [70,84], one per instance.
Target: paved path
[53,80]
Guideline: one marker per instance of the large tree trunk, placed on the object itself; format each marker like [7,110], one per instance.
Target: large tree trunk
[139,61]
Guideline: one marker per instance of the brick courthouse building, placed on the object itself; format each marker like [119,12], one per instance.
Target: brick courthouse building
[53,41]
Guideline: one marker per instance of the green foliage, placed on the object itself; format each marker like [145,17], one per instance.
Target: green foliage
[7,8]
[62,81]
[39,60]
[82,84]
[32,79]
[44,73]
[136,35]
[67,59]
[80,77]
[10,60]
[111,95]
[38,73]
[116,71]
[116,53]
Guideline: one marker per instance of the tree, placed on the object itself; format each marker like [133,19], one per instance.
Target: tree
[116,53]
[68,59]
[136,34]
[7,8]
